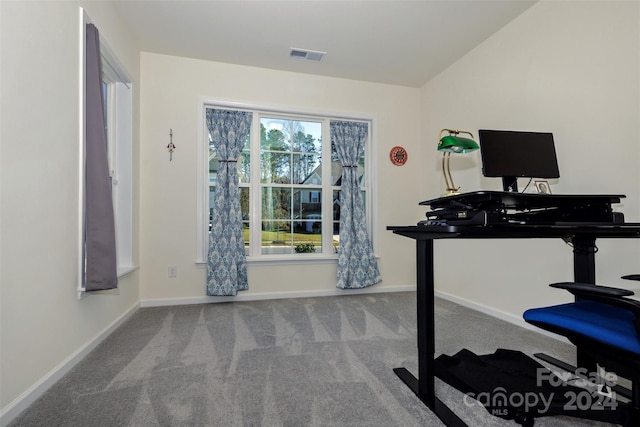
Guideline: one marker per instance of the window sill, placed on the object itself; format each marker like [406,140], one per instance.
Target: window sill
[122,272]
[125,271]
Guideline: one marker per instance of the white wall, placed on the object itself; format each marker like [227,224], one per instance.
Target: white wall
[567,67]
[43,324]
[171,87]
[572,68]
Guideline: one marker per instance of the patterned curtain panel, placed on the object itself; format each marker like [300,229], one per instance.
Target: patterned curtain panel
[101,268]
[357,265]
[227,269]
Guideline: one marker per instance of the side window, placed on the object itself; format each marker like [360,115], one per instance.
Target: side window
[118,103]
[117,94]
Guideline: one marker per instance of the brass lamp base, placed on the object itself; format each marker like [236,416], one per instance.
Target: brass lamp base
[451,192]
[448,179]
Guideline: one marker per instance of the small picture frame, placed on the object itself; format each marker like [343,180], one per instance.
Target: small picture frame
[542,186]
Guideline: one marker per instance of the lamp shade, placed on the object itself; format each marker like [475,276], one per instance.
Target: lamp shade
[457,144]
[453,143]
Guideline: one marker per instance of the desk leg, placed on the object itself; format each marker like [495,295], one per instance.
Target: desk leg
[584,271]
[584,259]
[426,319]
[424,385]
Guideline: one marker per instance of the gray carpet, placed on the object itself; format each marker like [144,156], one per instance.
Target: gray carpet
[298,362]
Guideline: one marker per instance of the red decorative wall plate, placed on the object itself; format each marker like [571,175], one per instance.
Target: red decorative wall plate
[398,156]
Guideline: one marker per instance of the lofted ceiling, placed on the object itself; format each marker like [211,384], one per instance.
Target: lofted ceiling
[393,41]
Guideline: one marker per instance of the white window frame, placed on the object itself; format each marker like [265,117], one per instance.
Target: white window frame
[120,144]
[202,186]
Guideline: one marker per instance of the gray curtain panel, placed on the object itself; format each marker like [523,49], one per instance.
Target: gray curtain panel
[226,266]
[100,236]
[357,265]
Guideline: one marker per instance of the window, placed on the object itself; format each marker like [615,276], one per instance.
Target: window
[119,128]
[117,94]
[289,177]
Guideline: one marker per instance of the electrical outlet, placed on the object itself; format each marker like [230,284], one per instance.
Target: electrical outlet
[172,271]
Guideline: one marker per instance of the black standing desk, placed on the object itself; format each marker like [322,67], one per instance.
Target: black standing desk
[581,237]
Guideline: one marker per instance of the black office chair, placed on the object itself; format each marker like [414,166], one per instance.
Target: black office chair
[605,325]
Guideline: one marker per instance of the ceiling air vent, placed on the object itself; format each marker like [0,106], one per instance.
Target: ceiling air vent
[309,55]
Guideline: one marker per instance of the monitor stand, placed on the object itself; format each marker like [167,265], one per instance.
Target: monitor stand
[510,184]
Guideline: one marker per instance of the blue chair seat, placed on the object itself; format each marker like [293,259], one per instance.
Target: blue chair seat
[607,324]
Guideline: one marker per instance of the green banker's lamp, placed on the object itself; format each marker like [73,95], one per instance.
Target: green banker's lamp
[452,143]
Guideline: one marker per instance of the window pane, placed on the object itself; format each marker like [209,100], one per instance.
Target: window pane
[336,219]
[272,137]
[275,167]
[297,210]
[307,209]
[306,137]
[213,169]
[276,203]
[245,230]
[244,165]
[290,135]
[276,238]
[336,205]
[244,203]
[307,169]
[105,107]
[301,138]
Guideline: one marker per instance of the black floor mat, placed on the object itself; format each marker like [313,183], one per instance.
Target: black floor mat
[509,384]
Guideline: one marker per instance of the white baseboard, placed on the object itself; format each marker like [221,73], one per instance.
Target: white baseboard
[274,295]
[19,404]
[507,317]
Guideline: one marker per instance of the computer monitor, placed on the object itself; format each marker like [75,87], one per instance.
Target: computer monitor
[513,154]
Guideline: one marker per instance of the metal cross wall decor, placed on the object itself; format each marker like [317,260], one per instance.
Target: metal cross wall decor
[171,145]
